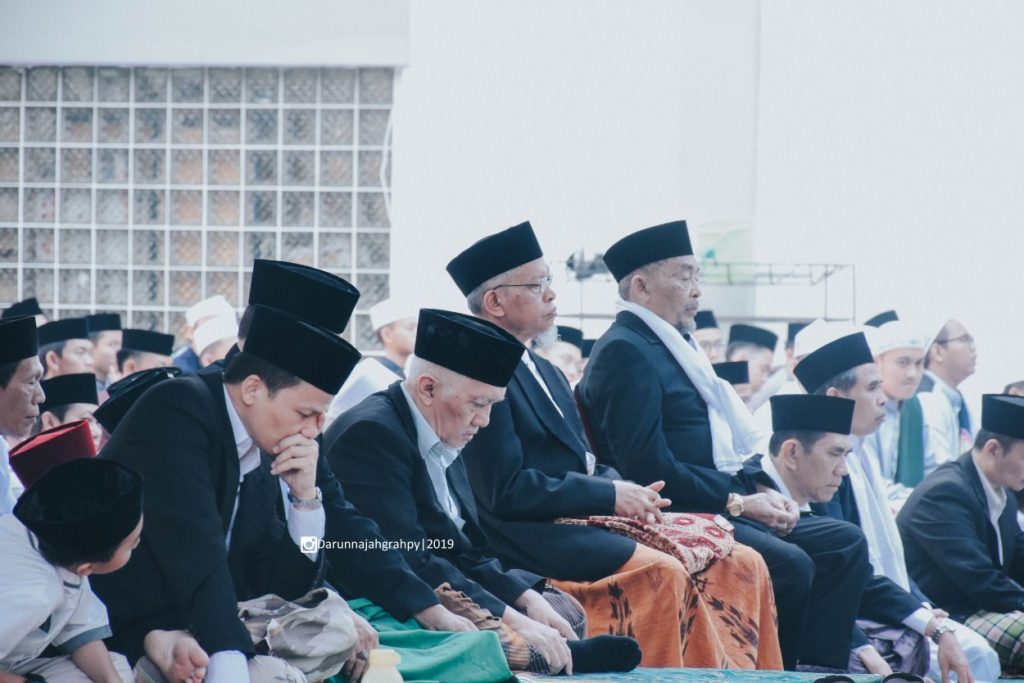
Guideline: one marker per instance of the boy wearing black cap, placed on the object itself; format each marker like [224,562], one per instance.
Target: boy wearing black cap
[963,545]
[64,347]
[70,398]
[397,453]
[83,518]
[216,533]
[105,335]
[144,350]
[756,346]
[20,392]
[709,335]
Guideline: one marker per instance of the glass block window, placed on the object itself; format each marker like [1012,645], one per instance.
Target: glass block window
[143,190]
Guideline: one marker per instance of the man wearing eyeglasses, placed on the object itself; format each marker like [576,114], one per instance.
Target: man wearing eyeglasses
[950,360]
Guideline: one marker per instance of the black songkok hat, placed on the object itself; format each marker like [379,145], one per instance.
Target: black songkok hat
[705,320]
[103,322]
[19,339]
[882,318]
[733,372]
[146,340]
[832,359]
[126,391]
[63,330]
[793,329]
[309,294]
[64,390]
[748,334]
[313,354]
[647,246]
[571,335]
[29,306]
[810,413]
[587,347]
[1003,414]
[494,255]
[468,346]
[86,505]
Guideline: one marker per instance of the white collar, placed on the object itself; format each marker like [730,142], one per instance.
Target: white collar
[996,497]
[243,442]
[951,394]
[427,439]
[768,465]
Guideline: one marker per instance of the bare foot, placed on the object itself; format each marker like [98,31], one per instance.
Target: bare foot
[177,655]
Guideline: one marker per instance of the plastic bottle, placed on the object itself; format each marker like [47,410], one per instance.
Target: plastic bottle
[383,667]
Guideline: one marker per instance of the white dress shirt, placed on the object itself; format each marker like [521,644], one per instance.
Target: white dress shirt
[941,409]
[7,497]
[438,458]
[996,498]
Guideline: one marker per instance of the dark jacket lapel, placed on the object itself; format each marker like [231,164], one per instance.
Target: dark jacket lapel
[545,410]
[974,477]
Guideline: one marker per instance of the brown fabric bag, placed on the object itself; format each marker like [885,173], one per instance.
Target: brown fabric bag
[696,540]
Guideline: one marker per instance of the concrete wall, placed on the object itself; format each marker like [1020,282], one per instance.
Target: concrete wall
[890,137]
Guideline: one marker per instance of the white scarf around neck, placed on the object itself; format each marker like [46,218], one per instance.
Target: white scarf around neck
[733,433]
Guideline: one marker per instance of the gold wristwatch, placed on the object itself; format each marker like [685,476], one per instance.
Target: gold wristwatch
[734,506]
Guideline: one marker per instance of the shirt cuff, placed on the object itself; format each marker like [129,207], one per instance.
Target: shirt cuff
[862,648]
[306,523]
[918,620]
[228,666]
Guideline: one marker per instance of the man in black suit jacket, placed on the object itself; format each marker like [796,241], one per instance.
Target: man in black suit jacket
[959,528]
[396,453]
[214,538]
[533,462]
[651,421]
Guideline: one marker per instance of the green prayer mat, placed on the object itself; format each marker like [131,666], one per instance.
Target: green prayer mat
[435,656]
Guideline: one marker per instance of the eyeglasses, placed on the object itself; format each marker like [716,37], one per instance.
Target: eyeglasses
[713,345]
[965,338]
[535,287]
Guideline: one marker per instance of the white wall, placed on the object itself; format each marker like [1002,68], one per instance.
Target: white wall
[205,32]
[890,136]
[590,118]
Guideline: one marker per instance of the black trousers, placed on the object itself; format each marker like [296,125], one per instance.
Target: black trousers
[818,574]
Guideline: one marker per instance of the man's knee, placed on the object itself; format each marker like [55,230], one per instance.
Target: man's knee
[795,571]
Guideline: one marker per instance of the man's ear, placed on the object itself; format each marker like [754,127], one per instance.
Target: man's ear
[251,388]
[492,304]
[789,454]
[49,420]
[52,362]
[832,391]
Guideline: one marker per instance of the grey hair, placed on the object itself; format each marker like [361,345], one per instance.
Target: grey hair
[843,382]
[419,367]
[642,270]
[475,299]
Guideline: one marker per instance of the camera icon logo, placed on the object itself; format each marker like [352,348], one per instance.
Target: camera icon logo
[309,545]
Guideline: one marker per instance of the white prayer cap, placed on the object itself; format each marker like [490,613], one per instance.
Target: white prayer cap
[390,310]
[215,305]
[819,333]
[222,326]
[898,334]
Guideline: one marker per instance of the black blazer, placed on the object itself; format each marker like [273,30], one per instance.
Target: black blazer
[178,437]
[951,545]
[527,467]
[648,420]
[373,451]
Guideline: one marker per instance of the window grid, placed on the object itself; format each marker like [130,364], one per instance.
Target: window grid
[141,190]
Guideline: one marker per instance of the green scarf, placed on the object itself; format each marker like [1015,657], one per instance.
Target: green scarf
[910,461]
